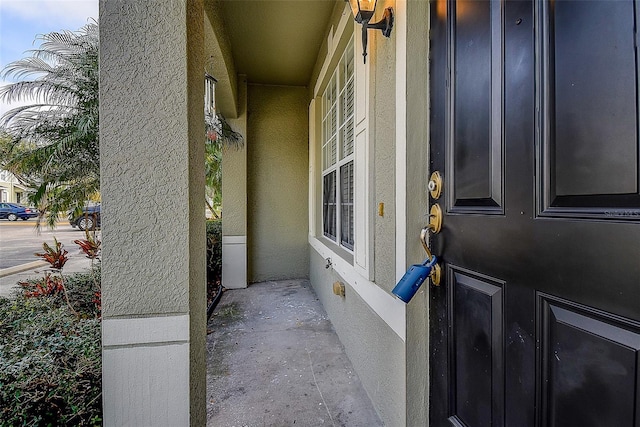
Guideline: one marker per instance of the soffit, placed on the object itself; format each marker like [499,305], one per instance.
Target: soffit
[276,42]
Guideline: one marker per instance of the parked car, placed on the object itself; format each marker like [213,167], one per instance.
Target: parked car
[88,219]
[13,211]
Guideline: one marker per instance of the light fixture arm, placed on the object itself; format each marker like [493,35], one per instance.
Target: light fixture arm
[364,41]
[385,25]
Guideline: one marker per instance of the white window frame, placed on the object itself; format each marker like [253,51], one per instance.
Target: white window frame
[338,149]
[361,259]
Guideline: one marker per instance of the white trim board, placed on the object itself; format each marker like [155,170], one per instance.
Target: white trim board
[234,240]
[140,331]
[234,262]
[401,138]
[145,364]
[312,167]
[390,309]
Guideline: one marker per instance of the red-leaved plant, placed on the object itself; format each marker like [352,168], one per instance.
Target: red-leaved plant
[52,286]
[97,300]
[57,257]
[90,247]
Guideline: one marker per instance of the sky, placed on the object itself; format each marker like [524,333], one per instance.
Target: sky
[21,21]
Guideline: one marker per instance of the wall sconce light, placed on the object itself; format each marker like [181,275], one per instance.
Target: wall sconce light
[363,11]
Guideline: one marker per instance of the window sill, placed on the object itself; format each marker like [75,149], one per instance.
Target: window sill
[343,253]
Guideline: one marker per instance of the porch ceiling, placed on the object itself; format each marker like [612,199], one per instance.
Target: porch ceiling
[276,41]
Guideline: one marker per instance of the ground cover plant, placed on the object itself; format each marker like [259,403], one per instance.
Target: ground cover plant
[214,250]
[50,349]
[214,259]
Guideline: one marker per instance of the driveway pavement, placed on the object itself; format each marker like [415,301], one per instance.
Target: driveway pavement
[19,241]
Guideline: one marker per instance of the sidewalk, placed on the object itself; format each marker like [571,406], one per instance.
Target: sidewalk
[9,277]
[274,359]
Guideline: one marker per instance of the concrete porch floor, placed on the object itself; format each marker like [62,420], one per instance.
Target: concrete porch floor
[274,359]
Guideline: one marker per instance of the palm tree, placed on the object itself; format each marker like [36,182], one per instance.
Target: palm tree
[54,147]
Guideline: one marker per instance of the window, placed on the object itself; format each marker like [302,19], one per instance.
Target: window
[338,141]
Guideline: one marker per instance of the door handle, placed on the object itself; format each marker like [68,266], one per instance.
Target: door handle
[436,271]
[424,235]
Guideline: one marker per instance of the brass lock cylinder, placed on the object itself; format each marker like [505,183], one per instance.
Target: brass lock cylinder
[435,219]
[435,185]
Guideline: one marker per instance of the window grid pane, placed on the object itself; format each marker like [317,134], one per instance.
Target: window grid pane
[346,205]
[346,110]
[349,59]
[329,205]
[332,151]
[333,121]
[346,135]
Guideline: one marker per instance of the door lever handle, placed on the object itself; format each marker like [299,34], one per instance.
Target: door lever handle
[424,235]
[436,271]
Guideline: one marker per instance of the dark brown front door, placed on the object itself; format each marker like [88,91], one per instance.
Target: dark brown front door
[534,117]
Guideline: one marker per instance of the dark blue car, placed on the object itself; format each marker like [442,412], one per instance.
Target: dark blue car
[88,219]
[13,211]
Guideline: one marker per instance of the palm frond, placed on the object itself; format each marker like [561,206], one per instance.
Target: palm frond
[53,144]
[218,131]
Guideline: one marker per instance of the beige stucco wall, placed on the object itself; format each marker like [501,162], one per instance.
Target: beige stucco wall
[376,352]
[383,137]
[234,168]
[234,195]
[417,167]
[277,183]
[153,265]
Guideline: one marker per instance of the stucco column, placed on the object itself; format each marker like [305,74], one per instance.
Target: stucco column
[152,172]
[234,194]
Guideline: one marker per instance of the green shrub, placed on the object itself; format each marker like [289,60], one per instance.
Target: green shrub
[84,292]
[214,250]
[50,358]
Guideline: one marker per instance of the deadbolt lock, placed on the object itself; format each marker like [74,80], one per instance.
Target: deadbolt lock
[435,185]
[435,219]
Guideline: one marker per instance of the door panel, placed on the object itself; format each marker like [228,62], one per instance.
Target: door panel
[534,105]
[477,349]
[592,65]
[589,100]
[589,366]
[475,156]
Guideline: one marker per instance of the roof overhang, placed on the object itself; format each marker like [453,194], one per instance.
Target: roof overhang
[271,42]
